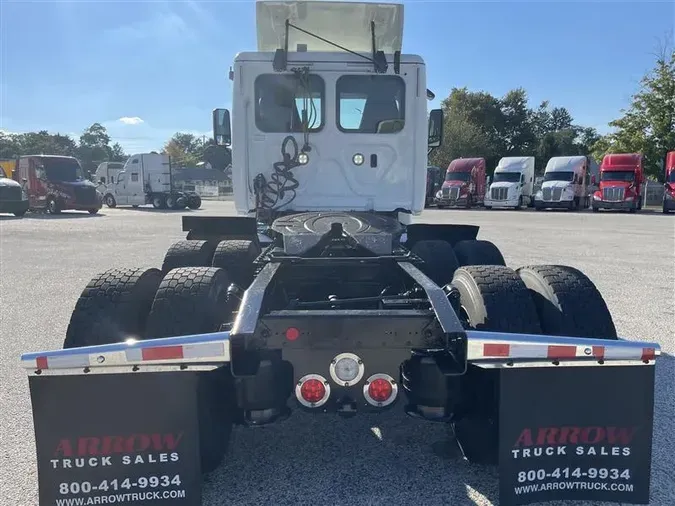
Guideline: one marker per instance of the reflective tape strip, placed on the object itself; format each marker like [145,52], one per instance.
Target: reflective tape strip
[61,362]
[188,351]
[515,351]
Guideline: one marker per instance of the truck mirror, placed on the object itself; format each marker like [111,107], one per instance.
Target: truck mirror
[24,180]
[592,179]
[221,127]
[435,138]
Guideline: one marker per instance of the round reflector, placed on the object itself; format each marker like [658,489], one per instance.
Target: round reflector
[312,390]
[380,390]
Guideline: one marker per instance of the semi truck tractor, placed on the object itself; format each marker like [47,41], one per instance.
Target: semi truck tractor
[145,178]
[669,183]
[566,184]
[322,296]
[12,197]
[464,184]
[512,183]
[56,183]
[620,186]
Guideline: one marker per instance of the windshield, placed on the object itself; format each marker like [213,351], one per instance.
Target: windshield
[618,175]
[558,176]
[507,177]
[61,169]
[671,177]
[458,176]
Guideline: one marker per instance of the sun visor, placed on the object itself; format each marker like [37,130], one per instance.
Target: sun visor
[344,23]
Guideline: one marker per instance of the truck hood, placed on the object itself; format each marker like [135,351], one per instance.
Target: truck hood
[556,184]
[504,184]
[614,184]
[452,184]
[5,181]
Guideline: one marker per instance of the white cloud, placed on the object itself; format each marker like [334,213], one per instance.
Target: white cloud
[130,120]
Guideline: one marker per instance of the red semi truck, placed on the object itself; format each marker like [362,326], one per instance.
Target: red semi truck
[620,186]
[464,183]
[669,183]
[56,183]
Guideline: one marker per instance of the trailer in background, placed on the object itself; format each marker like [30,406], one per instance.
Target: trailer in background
[145,178]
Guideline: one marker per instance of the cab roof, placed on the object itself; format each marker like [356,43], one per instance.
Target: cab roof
[464,164]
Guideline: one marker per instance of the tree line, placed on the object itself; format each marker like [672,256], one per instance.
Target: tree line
[476,124]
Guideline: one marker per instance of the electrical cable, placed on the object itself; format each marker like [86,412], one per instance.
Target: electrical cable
[269,194]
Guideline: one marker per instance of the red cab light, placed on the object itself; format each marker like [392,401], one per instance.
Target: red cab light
[292,333]
[380,390]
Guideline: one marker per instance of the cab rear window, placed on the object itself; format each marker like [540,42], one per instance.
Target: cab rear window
[282,99]
[370,104]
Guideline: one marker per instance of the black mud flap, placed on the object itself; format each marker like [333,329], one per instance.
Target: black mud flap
[576,433]
[117,439]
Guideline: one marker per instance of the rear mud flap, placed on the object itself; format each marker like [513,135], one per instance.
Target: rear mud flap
[120,439]
[576,433]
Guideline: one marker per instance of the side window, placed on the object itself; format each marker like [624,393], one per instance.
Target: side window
[134,176]
[283,100]
[40,172]
[102,180]
[370,104]
[135,160]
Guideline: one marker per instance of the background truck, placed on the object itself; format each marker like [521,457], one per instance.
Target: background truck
[145,178]
[56,183]
[512,183]
[464,183]
[566,184]
[620,185]
[13,199]
[329,300]
[669,183]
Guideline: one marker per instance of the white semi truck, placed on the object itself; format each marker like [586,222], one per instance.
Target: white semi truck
[567,183]
[145,178]
[512,183]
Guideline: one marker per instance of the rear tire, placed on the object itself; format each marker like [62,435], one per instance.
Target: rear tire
[188,253]
[492,298]
[237,257]
[159,202]
[567,302]
[194,202]
[193,300]
[113,307]
[478,252]
[440,262]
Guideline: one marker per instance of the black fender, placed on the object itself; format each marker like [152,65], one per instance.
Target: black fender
[449,232]
[219,228]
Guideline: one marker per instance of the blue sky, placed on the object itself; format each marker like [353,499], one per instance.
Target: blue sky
[146,69]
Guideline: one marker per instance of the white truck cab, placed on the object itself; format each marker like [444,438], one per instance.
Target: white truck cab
[512,183]
[566,184]
[329,126]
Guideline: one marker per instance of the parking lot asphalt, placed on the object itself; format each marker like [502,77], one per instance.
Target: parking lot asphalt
[45,262]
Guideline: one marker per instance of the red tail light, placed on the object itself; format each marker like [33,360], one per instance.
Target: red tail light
[312,390]
[380,390]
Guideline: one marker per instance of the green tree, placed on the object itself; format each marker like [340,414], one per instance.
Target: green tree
[185,149]
[648,125]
